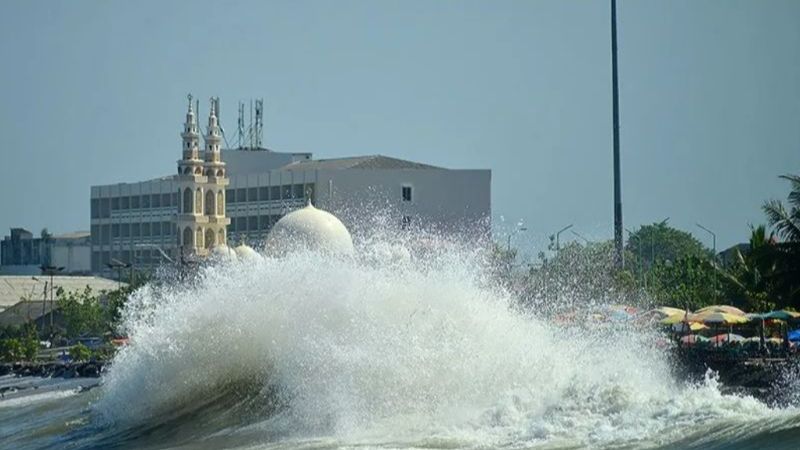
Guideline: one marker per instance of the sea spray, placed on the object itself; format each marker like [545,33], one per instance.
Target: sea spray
[394,348]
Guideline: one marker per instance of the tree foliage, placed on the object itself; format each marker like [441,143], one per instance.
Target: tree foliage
[83,313]
[659,242]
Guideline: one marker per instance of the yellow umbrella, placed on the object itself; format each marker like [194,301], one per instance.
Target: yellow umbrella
[718,317]
[721,309]
[675,318]
[666,311]
[693,326]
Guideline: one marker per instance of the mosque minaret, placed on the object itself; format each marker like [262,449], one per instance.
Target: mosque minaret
[201,221]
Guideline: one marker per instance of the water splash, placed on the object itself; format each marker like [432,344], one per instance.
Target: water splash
[394,349]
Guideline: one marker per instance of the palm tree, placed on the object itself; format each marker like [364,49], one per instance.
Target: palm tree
[786,221]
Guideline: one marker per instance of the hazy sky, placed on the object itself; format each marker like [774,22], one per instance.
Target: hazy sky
[93,92]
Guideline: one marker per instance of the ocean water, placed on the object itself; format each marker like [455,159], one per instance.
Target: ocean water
[383,350]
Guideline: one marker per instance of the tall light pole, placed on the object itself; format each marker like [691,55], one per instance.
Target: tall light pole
[558,235]
[714,246]
[517,230]
[51,270]
[641,256]
[580,236]
[118,265]
[619,256]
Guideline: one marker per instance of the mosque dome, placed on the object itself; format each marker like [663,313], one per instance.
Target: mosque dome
[245,252]
[309,228]
[223,253]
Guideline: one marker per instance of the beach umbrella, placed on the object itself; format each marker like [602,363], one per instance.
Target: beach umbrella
[693,339]
[675,318]
[781,314]
[727,337]
[721,309]
[692,326]
[718,318]
[666,311]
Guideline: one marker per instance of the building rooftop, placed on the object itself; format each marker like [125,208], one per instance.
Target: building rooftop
[14,288]
[24,312]
[358,162]
[73,235]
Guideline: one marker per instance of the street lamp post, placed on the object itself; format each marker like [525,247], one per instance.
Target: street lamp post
[118,265]
[641,257]
[580,236]
[558,235]
[517,230]
[714,246]
[51,270]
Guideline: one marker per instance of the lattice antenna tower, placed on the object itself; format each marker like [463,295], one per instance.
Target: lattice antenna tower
[250,134]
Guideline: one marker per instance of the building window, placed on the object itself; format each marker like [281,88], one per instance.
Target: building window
[275,193]
[95,233]
[252,223]
[145,201]
[241,195]
[115,230]
[166,228]
[125,202]
[156,201]
[95,208]
[115,203]
[134,202]
[125,230]
[263,194]
[166,200]
[232,227]
[252,195]
[105,234]
[230,194]
[241,224]
[174,199]
[155,228]
[298,191]
[146,229]
[286,191]
[263,223]
[407,193]
[105,208]
[135,230]
[406,222]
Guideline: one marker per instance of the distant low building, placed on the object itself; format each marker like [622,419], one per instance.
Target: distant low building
[16,288]
[23,254]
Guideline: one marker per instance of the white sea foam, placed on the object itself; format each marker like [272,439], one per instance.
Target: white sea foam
[390,348]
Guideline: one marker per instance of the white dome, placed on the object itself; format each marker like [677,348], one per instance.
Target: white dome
[223,253]
[309,228]
[245,252]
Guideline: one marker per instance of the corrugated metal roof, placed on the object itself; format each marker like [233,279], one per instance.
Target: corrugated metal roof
[358,162]
[14,288]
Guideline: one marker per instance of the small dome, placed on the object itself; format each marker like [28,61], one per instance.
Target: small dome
[222,252]
[245,252]
[309,228]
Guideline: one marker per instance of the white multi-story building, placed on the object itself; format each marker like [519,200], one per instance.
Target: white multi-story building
[237,195]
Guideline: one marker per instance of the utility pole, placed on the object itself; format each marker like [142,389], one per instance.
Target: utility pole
[619,257]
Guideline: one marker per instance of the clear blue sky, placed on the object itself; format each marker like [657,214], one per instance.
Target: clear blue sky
[93,92]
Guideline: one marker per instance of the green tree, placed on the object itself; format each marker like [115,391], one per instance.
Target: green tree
[750,279]
[785,220]
[80,352]
[688,282]
[82,312]
[659,242]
